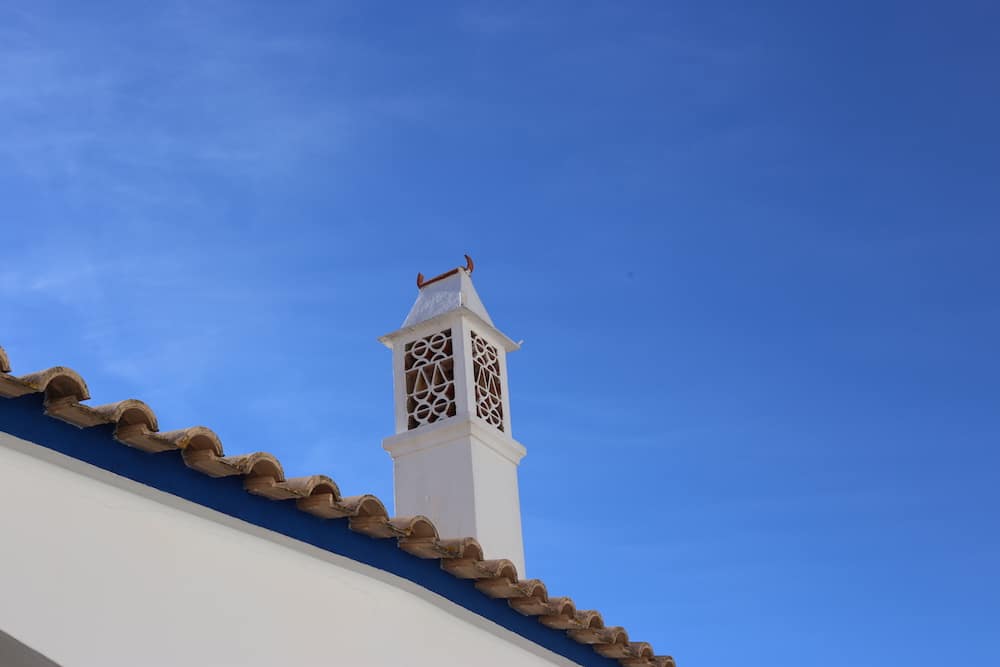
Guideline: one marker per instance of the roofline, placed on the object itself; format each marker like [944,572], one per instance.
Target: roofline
[44,411]
[24,417]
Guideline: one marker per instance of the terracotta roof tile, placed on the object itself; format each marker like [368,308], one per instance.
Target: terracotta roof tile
[136,426]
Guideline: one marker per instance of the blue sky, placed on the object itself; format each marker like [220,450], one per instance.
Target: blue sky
[752,252]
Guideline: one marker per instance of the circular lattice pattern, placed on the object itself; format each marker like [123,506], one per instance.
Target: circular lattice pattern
[430,379]
[428,350]
[486,369]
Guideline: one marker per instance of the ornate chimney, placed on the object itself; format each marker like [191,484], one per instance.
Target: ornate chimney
[453,455]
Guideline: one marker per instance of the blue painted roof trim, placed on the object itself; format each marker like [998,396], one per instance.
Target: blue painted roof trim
[24,418]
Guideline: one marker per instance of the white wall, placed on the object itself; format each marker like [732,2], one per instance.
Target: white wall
[498,512]
[425,482]
[462,473]
[96,570]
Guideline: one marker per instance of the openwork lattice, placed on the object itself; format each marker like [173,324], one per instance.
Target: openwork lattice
[486,371]
[429,365]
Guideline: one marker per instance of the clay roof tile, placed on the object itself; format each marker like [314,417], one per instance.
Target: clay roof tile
[135,425]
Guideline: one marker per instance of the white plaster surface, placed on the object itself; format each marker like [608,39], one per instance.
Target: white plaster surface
[430,482]
[499,510]
[462,473]
[98,571]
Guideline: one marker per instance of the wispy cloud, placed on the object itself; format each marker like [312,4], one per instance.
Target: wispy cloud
[88,113]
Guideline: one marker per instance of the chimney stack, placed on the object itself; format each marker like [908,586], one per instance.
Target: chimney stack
[454,459]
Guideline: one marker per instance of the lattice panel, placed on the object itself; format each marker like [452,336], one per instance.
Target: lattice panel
[486,373]
[429,365]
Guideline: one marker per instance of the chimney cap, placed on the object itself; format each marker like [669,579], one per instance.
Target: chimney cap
[468,268]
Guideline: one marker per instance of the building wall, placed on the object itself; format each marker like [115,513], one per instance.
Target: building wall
[97,570]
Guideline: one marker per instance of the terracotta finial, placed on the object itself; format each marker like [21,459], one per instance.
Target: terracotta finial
[468,268]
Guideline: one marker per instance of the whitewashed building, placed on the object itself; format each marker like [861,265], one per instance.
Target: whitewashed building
[123,545]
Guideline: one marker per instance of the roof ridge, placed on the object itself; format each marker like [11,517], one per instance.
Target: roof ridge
[136,425]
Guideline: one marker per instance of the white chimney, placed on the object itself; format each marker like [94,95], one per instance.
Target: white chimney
[453,455]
